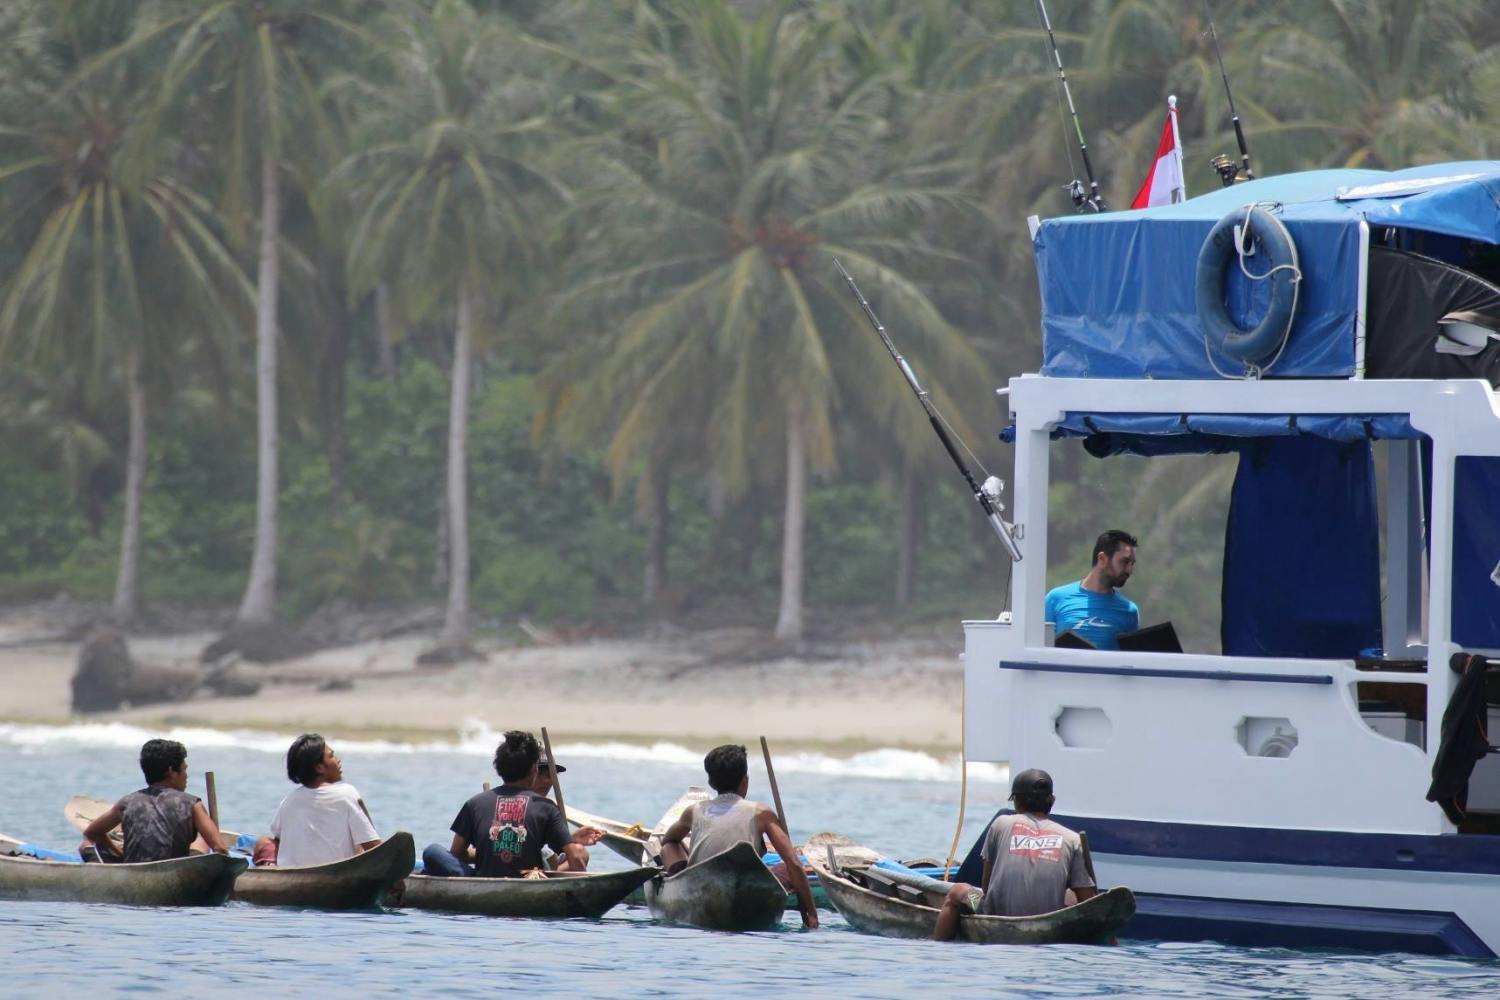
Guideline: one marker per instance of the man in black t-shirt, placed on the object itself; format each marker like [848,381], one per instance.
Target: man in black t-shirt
[508,826]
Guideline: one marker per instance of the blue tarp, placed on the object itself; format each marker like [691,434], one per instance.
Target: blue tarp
[1118,288]
[1302,551]
[1476,552]
[1107,434]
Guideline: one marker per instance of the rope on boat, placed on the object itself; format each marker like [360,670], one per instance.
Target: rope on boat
[963,774]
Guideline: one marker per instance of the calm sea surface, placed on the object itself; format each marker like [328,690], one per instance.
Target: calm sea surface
[57,949]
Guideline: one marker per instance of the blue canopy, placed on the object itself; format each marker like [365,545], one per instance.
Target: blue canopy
[1117,288]
[1206,433]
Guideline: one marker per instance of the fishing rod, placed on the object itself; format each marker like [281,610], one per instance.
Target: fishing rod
[1093,201]
[988,495]
[1222,163]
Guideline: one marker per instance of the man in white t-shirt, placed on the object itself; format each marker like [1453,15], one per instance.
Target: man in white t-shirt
[323,819]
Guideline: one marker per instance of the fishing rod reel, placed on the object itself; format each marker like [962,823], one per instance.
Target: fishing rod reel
[1229,171]
[992,488]
[1082,200]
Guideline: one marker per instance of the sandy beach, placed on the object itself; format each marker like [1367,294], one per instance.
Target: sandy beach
[695,688]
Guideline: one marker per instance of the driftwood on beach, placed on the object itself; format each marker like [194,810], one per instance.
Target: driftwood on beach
[108,677]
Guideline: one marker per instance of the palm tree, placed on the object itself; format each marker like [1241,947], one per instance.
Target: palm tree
[748,162]
[450,203]
[250,70]
[1364,83]
[122,257]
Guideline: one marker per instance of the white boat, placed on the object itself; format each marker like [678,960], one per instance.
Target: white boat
[1275,791]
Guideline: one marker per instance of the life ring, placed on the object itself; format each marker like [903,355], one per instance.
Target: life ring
[1270,242]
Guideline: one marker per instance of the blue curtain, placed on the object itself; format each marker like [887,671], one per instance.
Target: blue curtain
[1302,551]
[1476,552]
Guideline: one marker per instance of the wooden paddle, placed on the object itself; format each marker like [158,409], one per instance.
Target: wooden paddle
[556,778]
[213,797]
[1088,859]
[765,749]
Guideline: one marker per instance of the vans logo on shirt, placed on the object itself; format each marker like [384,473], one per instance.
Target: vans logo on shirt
[1030,842]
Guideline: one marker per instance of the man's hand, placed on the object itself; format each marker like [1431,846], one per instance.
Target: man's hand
[587,836]
[809,917]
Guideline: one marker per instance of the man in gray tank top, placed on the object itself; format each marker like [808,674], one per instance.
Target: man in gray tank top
[713,827]
[1030,862]
[161,820]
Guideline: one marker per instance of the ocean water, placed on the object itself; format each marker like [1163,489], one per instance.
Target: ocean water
[902,803]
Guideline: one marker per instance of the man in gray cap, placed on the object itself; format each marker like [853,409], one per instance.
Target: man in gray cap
[546,775]
[1029,862]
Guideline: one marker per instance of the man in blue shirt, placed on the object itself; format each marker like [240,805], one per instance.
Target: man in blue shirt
[1092,608]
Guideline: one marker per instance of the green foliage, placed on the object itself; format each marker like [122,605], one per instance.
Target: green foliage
[645,195]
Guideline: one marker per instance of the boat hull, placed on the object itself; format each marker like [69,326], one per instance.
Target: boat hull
[1094,921]
[731,891]
[558,896]
[201,880]
[358,883]
[1259,887]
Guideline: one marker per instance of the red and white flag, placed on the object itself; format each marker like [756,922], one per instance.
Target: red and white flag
[1164,185]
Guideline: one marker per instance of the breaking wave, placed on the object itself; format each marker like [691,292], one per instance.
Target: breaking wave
[477,738]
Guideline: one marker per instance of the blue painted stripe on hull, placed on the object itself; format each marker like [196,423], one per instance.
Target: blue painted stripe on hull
[1476,854]
[1256,924]
[1181,675]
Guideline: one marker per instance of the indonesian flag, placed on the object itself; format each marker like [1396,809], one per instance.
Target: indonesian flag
[1163,185]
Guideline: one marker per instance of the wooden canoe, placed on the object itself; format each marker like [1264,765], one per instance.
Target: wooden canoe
[628,840]
[1094,921]
[731,891]
[357,883]
[202,880]
[559,895]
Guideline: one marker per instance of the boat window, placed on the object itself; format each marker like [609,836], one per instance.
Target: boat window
[1176,507]
[1276,548]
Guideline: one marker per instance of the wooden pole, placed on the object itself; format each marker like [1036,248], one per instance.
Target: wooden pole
[486,786]
[765,749]
[1088,859]
[556,779]
[213,797]
[963,776]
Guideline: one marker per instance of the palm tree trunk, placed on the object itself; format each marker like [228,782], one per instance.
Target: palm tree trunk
[659,481]
[906,537]
[789,618]
[333,380]
[127,584]
[259,603]
[456,624]
[385,333]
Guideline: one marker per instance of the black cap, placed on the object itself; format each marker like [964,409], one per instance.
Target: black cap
[544,764]
[1032,783]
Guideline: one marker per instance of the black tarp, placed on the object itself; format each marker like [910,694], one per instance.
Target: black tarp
[1408,295]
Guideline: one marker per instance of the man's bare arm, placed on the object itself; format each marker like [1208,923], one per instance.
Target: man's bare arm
[673,853]
[96,834]
[770,826]
[208,829]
